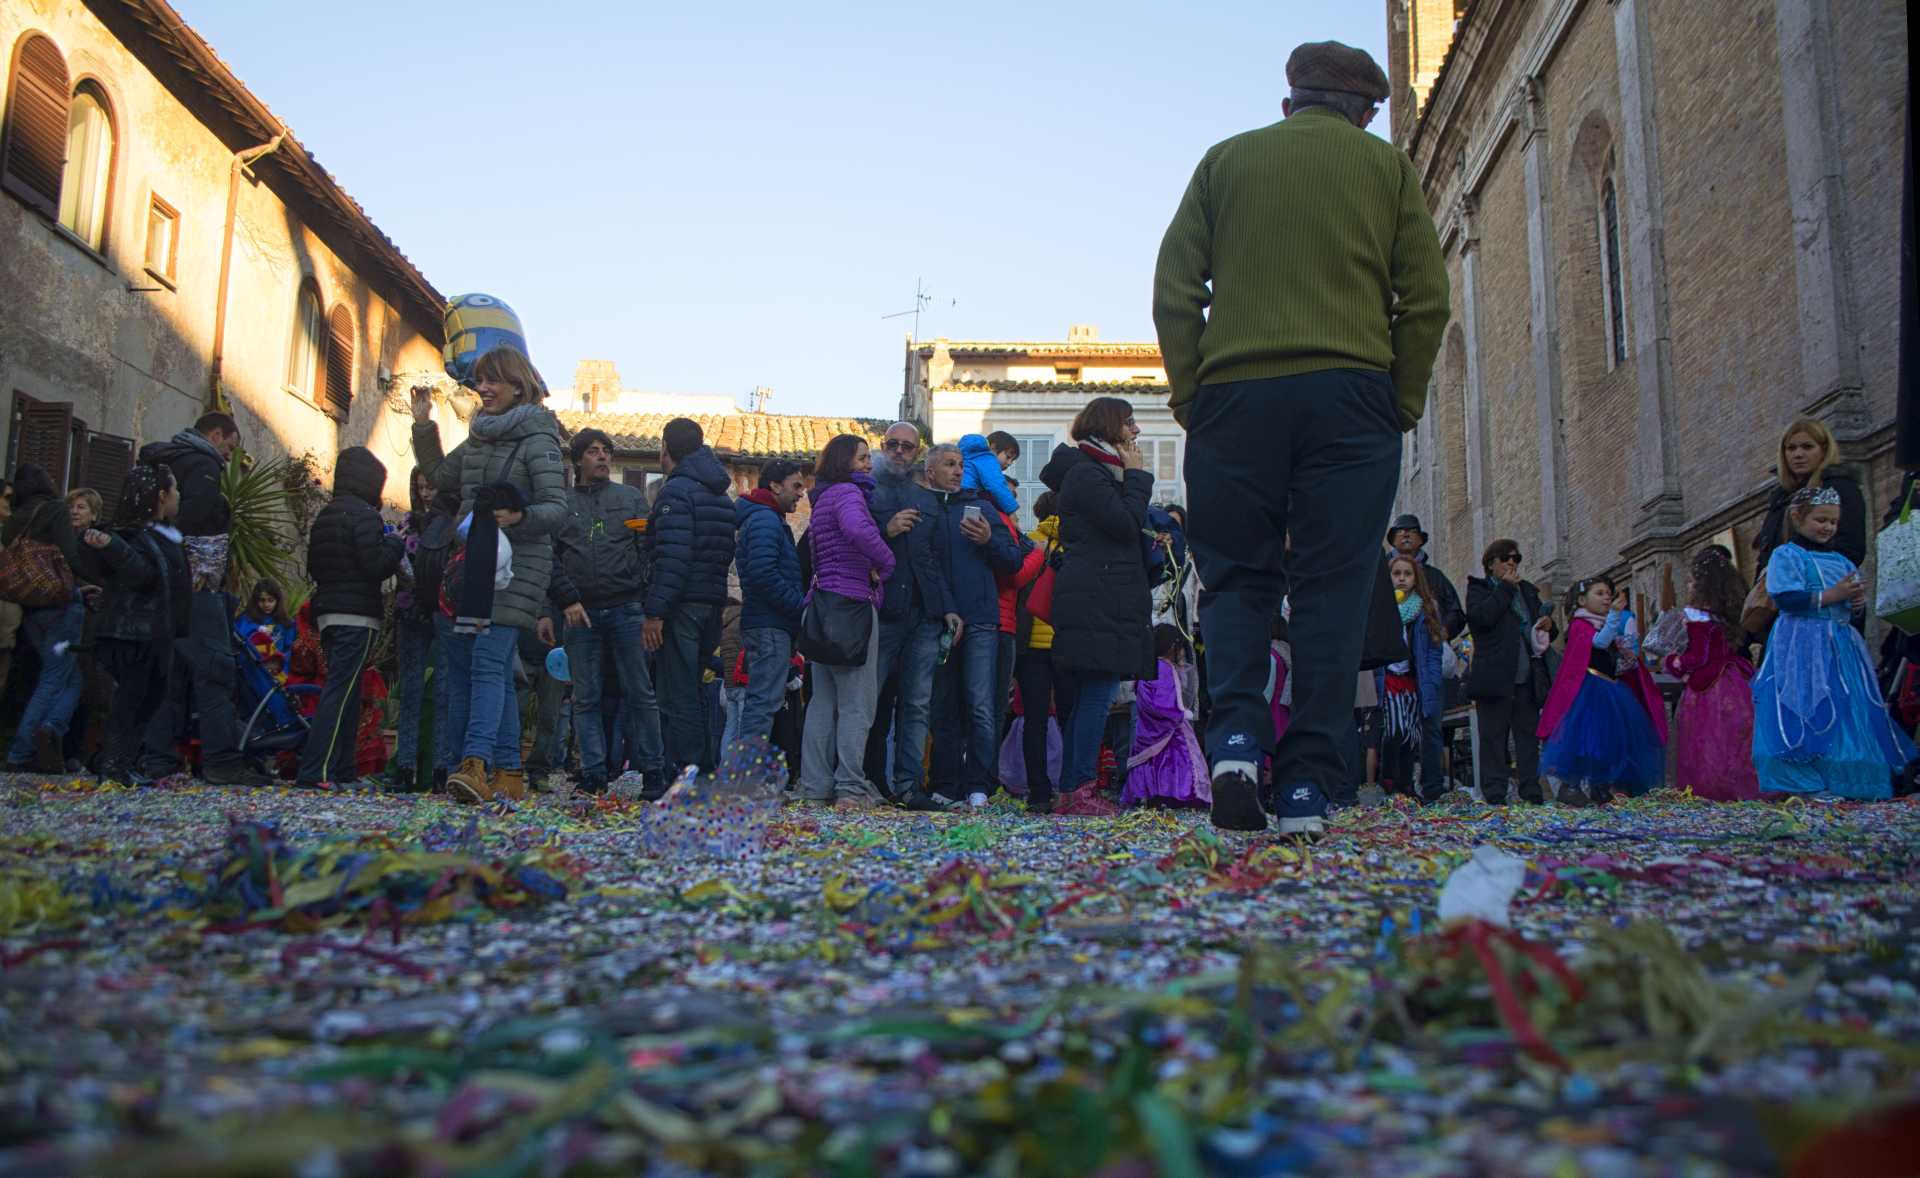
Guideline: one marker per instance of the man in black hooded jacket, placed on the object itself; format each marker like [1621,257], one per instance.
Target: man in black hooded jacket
[691,531]
[350,553]
[197,456]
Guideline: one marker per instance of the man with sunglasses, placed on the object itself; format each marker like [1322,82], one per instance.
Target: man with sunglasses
[1508,681]
[917,606]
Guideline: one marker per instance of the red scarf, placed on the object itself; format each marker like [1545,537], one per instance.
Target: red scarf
[765,498]
[1099,455]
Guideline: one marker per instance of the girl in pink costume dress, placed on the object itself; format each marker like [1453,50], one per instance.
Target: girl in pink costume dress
[1713,738]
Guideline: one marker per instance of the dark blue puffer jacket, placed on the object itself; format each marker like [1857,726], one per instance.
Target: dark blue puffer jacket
[691,530]
[968,568]
[770,589]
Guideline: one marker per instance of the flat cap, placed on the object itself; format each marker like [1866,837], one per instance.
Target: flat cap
[1330,65]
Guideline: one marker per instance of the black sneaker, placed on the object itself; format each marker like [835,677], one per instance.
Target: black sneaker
[395,781]
[439,781]
[1236,802]
[1303,810]
[653,786]
[1040,803]
[593,787]
[920,801]
[236,773]
[47,757]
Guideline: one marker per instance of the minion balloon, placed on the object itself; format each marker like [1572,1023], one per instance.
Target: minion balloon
[476,324]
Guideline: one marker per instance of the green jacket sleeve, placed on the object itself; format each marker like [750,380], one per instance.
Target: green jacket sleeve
[1420,298]
[1180,291]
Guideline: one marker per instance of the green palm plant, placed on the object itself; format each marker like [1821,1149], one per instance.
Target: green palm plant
[262,532]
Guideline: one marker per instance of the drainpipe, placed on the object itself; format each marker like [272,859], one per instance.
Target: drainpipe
[240,162]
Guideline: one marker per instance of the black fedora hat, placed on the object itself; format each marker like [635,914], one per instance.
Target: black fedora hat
[1407,523]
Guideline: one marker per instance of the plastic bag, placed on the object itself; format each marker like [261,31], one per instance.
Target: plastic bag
[1483,887]
[502,557]
[1668,636]
[1897,600]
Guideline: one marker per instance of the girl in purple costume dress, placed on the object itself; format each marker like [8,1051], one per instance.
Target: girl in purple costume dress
[1167,767]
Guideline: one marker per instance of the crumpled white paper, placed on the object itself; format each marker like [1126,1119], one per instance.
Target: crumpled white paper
[1483,887]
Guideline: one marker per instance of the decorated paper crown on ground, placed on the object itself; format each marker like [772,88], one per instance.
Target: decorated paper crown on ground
[1810,497]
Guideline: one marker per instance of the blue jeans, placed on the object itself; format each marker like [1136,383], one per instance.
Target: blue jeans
[1085,728]
[964,689]
[413,648]
[769,658]
[445,744]
[690,634]
[481,700]
[57,692]
[615,627]
[919,650]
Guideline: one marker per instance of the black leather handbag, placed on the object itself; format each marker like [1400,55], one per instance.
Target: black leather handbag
[835,629]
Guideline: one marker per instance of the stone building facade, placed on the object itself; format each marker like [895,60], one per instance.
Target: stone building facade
[1672,228]
[167,245]
[1033,390]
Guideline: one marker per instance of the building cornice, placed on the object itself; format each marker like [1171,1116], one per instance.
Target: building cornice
[1519,106]
[1053,350]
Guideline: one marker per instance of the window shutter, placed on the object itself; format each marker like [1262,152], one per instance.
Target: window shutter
[46,435]
[104,465]
[36,127]
[340,362]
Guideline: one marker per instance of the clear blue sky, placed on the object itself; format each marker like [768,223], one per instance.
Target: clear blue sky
[718,196]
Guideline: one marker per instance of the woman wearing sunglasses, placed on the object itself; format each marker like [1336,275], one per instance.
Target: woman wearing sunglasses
[1507,682]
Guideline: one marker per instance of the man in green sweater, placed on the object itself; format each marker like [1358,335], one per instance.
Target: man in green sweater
[1300,297]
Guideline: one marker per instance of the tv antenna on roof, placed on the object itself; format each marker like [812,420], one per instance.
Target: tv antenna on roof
[922,299]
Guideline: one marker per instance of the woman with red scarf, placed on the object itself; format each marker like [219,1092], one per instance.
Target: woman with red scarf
[1102,607]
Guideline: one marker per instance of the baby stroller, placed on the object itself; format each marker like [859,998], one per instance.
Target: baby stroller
[273,727]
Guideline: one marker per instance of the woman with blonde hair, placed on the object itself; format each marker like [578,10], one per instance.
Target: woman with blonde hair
[1807,458]
[512,487]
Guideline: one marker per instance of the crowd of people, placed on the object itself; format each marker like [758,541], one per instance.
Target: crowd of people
[1284,650]
[912,646]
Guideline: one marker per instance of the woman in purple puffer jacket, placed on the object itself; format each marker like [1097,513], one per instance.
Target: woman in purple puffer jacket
[850,558]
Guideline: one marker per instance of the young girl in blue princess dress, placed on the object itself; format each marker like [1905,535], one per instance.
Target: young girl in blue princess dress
[1820,725]
[1604,725]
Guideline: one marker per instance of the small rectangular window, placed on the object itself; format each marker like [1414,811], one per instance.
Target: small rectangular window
[1066,372]
[163,239]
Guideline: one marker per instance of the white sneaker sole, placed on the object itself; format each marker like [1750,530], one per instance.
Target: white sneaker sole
[1303,826]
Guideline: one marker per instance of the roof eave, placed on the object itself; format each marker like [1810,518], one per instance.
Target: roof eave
[250,122]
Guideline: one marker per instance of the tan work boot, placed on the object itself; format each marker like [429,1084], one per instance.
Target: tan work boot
[470,784]
[510,784]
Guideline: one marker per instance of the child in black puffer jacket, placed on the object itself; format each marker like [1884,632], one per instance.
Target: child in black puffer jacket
[350,554]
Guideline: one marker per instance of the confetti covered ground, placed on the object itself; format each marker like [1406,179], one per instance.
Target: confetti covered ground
[211,982]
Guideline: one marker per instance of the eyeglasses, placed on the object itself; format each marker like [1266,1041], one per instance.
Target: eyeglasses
[902,447]
[1512,556]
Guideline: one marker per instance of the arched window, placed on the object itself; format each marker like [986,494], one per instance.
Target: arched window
[1610,273]
[305,357]
[339,363]
[35,132]
[86,183]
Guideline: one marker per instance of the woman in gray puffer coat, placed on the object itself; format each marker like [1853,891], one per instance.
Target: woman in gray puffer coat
[514,440]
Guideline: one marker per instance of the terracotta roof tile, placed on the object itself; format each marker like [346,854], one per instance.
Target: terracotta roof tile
[745,435]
